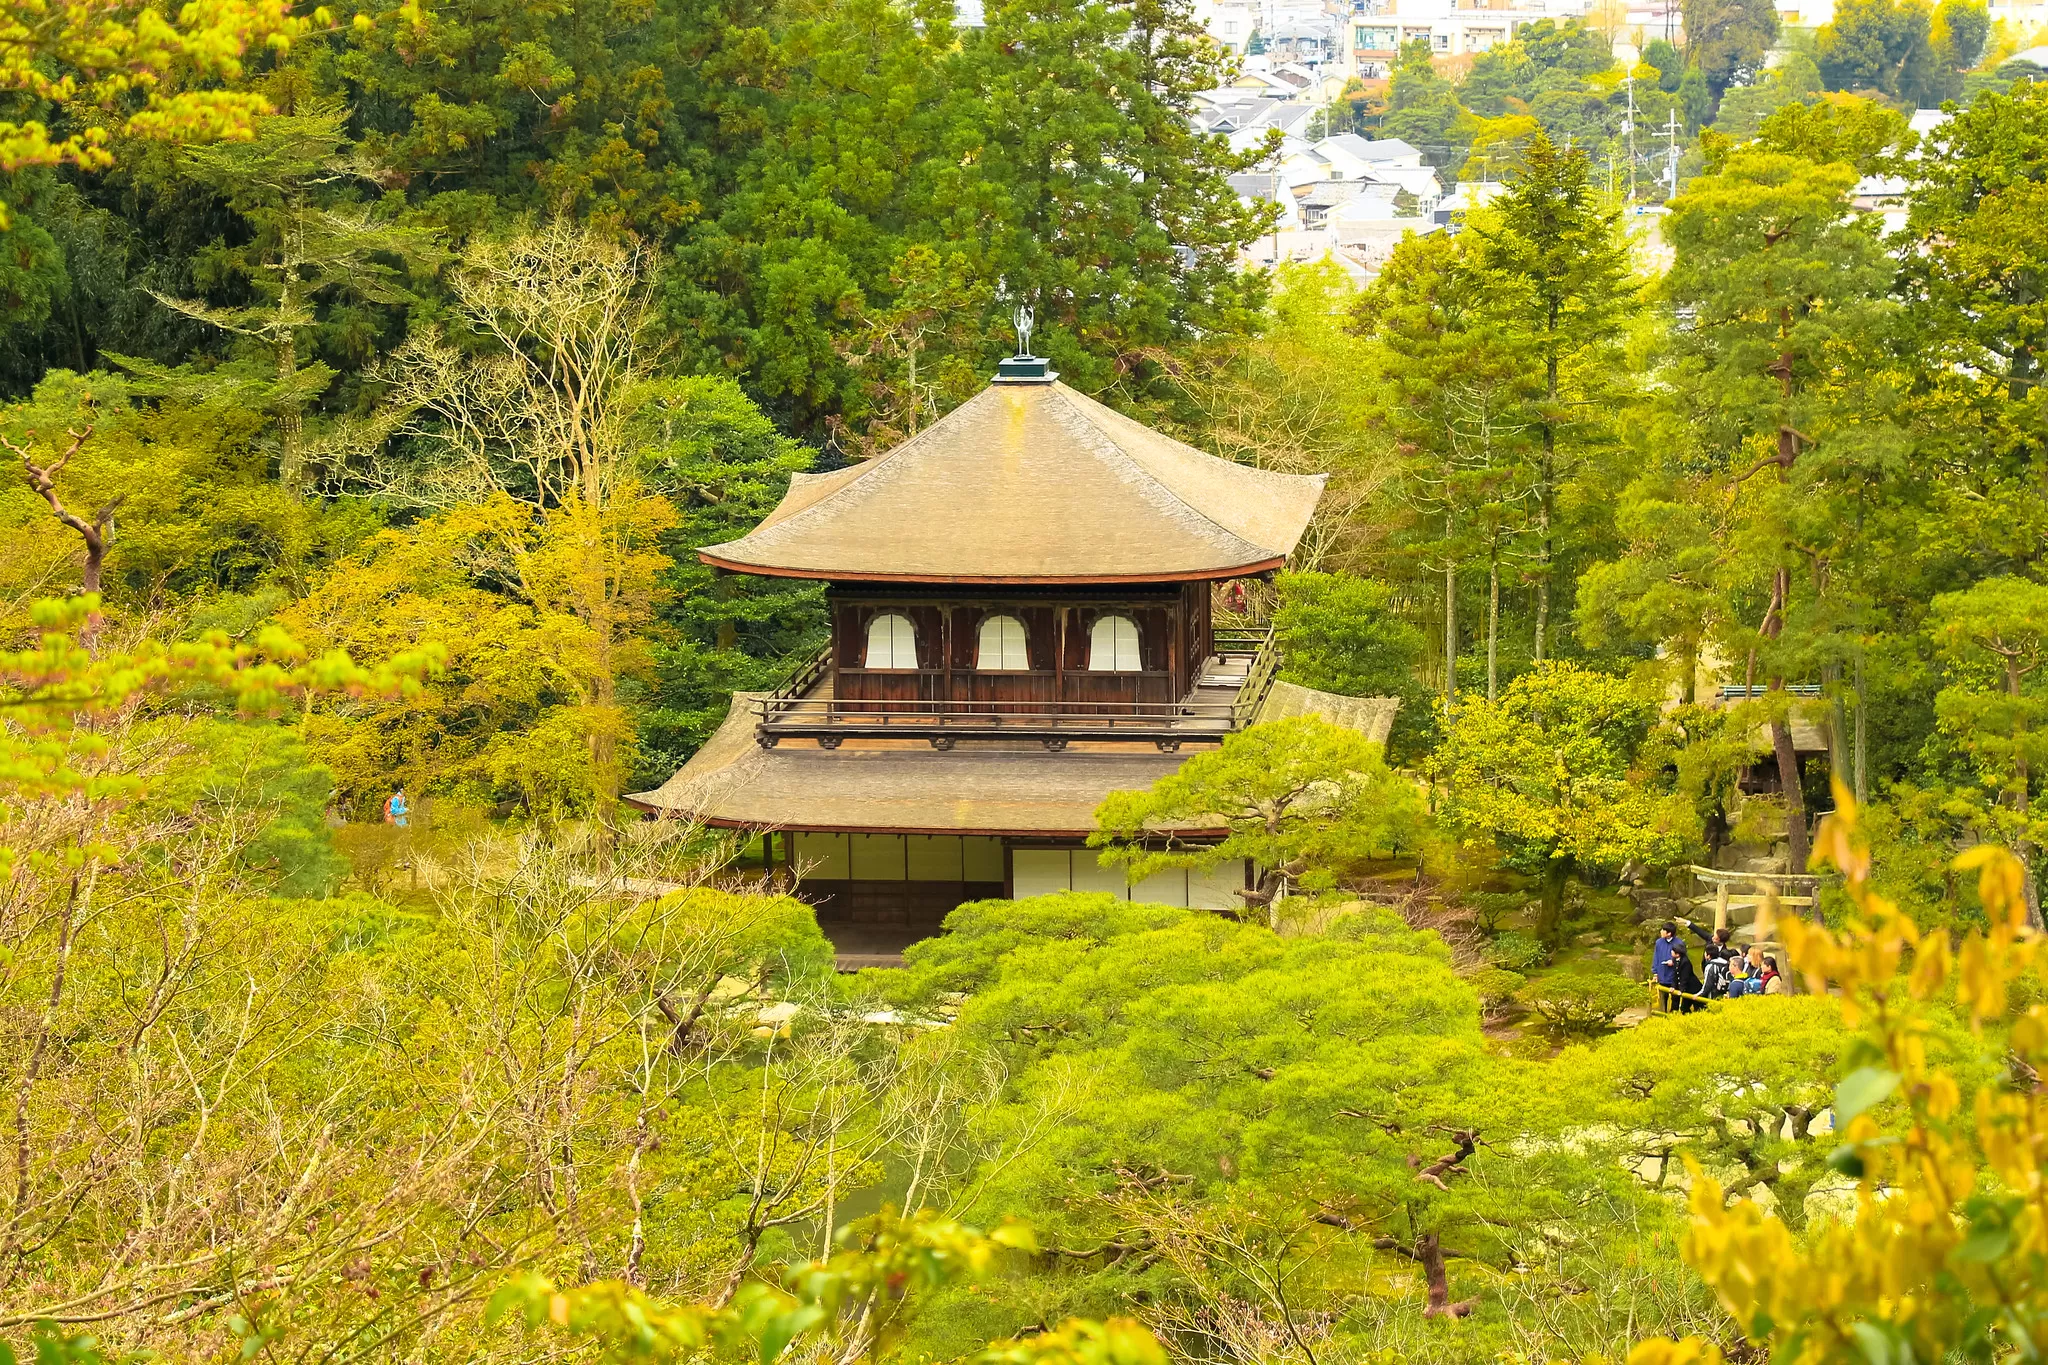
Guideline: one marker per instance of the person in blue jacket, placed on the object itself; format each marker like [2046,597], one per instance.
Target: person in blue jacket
[1664,952]
[1671,967]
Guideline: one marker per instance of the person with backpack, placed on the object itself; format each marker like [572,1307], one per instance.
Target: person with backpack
[1740,981]
[395,809]
[1714,959]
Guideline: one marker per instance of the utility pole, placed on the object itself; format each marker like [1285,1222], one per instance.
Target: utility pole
[1628,125]
[1671,156]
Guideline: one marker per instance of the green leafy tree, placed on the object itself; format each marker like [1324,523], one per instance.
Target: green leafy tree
[861,1296]
[1285,398]
[1870,43]
[1903,48]
[308,248]
[1975,282]
[1337,633]
[1455,378]
[1695,99]
[1569,289]
[1663,54]
[1665,589]
[1120,226]
[1423,109]
[1727,39]
[1548,775]
[263,774]
[1302,799]
[1994,637]
[1781,283]
[1743,108]
[1741,1090]
[1293,1139]
[85,66]
[714,455]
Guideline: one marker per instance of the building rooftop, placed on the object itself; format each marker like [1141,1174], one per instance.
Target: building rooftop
[900,786]
[1031,482]
[905,786]
[1369,149]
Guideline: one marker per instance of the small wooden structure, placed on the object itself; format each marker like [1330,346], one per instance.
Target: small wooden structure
[1792,891]
[1020,600]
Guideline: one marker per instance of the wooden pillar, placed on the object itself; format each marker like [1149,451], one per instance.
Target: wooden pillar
[1175,651]
[1720,905]
[1059,654]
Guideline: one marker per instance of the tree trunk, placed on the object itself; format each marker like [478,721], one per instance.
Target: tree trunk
[1860,757]
[1429,1252]
[1550,909]
[1493,627]
[2024,848]
[1838,723]
[1546,497]
[290,422]
[1543,564]
[1450,631]
[1795,800]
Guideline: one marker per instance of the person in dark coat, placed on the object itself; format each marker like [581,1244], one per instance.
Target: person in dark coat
[1664,950]
[1714,958]
[1671,967]
[1685,979]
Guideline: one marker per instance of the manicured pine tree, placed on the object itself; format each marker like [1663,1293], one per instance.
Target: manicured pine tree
[1778,285]
[1559,261]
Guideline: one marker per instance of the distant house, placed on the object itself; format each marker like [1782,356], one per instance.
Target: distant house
[1353,155]
[1365,216]
[1889,196]
[1255,187]
[1469,195]
[1245,121]
[1370,241]
[1230,22]
[1318,199]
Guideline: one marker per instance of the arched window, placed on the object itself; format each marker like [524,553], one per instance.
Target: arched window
[892,642]
[1001,646]
[1113,645]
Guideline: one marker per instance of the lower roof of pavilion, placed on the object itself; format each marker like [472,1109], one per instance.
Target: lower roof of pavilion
[905,786]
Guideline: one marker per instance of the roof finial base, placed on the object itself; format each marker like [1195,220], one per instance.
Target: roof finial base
[1024,369]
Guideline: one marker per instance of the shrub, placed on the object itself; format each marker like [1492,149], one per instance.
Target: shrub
[1490,909]
[1516,951]
[1496,986]
[1580,1003]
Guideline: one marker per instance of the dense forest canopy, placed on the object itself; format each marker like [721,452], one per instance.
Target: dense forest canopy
[373,377]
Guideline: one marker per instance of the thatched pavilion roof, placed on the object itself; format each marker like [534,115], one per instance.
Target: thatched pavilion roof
[1031,483]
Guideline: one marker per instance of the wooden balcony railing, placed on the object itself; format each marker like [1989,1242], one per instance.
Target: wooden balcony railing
[1207,714]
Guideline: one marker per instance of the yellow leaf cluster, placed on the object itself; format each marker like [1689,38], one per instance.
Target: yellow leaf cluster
[1946,1256]
[98,58]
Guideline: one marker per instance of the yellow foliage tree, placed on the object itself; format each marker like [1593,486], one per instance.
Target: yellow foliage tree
[1946,1256]
[538,609]
[536,429]
[97,60]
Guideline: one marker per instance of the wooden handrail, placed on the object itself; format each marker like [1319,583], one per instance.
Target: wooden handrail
[1661,994]
[1258,681]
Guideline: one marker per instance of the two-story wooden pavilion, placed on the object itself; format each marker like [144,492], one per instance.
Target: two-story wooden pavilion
[1020,609]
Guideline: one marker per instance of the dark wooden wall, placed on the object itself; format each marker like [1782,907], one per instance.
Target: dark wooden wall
[1174,639]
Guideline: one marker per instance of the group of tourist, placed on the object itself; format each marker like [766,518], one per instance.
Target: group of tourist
[1726,971]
